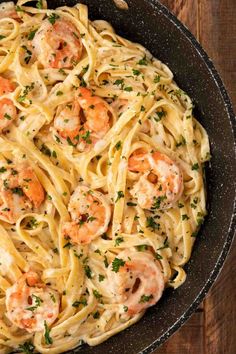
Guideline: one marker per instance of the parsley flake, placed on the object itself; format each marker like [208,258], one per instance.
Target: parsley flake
[117,263]
[145,298]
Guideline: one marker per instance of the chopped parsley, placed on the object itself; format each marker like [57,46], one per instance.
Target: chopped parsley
[118,241]
[185,217]
[150,222]
[97,294]
[81,302]
[200,218]
[3,169]
[157,201]
[165,245]
[27,348]
[142,108]
[17,190]
[101,277]
[194,234]
[193,206]
[82,82]
[160,115]
[45,150]
[157,79]
[195,167]
[52,18]
[2,37]
[47,337]
[182,142]
[38,302]
[88,271]
[91,218]
[39,4]
[142,248]
[69,141]
[117,263]
[125,308]
[118,145]
[143,61]
[106,264]
[158,256]
[32,34]
[52,296]
[131,204]
[120,195]
[28,54]
[128,88]
[180,205]
[96,315]
[136,72]
[26,91]
[119,82]
[32,223]
[86,137]
[67,245]
[145,298]
[19,9]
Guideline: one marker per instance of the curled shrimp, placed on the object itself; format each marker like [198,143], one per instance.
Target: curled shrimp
[95,111]
[161,182]
[138,282]
[84,121]
[57,45]
[90,215]
[20,190]
[30,304]
[7,9]
[68,122]
[7,109]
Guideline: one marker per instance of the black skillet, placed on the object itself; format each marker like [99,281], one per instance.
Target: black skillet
[151,24]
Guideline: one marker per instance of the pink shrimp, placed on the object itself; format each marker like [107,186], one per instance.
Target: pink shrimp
[7,9]
[84,121]
[95,111]
[57,44]
[30,304]
[138,282]
[7,109]
[90,215]
[20,190]
[161,182]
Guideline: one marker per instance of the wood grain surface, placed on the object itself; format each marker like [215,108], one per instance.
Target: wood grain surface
[212,329]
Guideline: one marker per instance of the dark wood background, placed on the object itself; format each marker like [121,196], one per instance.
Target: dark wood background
[212,328]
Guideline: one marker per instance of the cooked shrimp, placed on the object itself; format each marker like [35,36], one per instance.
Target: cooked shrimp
[6,86]
[67,122]
[90,215]
[57,45]
[30,185]
[20,190]
[30,304]
[7,9]
[161,182]
[95,111]
[84,121]
[138,282]
[7,109]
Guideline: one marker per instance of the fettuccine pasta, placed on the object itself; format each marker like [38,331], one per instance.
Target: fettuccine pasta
[101,179]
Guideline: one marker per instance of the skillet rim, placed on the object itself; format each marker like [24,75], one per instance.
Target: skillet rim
[231,234]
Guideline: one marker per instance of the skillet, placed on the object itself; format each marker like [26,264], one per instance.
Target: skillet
[152,25]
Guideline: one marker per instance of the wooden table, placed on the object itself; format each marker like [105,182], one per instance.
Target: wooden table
[212,328]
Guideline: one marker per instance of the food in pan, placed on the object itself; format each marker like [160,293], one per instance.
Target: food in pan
[101,179]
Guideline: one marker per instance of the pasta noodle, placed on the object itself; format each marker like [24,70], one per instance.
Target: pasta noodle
[101,179]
